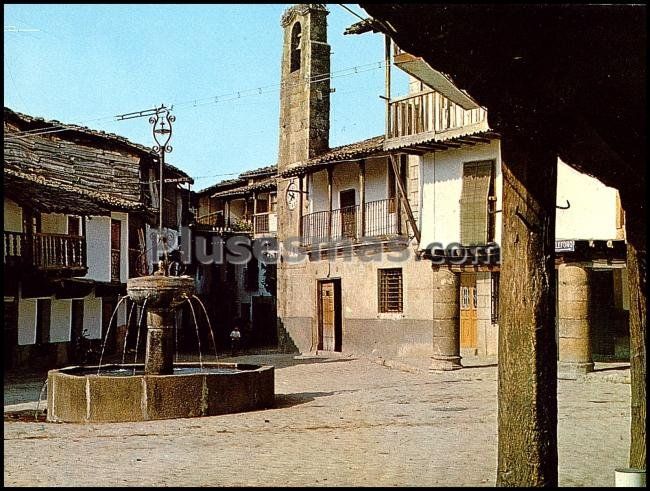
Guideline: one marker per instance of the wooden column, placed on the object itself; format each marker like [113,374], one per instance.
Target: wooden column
[637,273]
[228,226]
[387,44]
[362,197]
[329,200]
[527,386]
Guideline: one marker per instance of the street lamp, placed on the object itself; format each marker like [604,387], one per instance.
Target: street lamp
[161,123]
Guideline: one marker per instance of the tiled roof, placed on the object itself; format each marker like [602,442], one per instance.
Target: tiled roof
[59,197]
[228,183]
[264,185]
[268,170]
[365,148]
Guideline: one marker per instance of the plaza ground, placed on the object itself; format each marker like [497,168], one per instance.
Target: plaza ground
[337,421]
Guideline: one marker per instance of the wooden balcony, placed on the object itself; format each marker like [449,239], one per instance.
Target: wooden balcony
[380,219]
[51,253]
[429,117]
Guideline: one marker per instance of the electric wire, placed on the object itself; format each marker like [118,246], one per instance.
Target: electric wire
[235,95]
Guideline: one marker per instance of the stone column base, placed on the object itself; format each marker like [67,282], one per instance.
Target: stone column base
[445,363]
[573,369]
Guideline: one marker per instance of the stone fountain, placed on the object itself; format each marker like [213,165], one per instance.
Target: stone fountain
[159,389]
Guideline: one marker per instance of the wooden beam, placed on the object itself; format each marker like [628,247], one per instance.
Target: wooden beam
[404,198]
[362,196]
[329,201]
[635,233]
[527,364]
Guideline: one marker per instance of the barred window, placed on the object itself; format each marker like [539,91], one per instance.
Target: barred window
[494,299]
[390,290]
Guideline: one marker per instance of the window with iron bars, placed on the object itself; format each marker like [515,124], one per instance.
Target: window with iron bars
[390,290]
[494,299]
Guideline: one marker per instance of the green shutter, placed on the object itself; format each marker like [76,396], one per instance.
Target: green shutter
[477,177]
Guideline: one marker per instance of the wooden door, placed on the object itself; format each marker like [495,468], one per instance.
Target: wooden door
[468,301]
[327,316]
[116,244]
[347,201]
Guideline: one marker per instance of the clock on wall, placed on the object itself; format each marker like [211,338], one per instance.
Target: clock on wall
[292,195]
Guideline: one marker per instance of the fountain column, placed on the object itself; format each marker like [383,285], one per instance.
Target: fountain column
[159,357]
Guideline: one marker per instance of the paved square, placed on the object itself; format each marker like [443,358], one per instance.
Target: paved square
[338,421]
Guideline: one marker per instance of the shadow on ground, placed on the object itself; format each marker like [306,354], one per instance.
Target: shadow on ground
[289,400]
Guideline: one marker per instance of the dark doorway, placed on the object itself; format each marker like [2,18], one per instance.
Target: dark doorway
[347,201]
[264,322]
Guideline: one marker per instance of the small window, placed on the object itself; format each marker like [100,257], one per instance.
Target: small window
[390,290]
[296,33]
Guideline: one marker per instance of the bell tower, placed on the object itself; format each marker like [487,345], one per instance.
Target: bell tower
[305,90]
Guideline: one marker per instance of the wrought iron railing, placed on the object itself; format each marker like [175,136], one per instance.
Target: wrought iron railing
[380,219]
[45,251]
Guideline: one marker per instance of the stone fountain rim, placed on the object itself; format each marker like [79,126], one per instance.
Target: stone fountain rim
[65,371]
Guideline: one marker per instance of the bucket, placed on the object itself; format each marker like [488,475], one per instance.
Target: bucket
[626,477]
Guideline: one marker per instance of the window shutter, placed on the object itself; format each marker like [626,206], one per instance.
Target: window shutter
[474,220]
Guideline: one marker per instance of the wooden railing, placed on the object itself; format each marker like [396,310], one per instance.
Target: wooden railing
[45,251]
[380,219]
[429,112]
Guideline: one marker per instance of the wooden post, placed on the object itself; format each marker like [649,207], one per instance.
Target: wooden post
[404,198]
[387,43]
[527,386]
[228,227]
[637,273]
[362,197]
[329,200]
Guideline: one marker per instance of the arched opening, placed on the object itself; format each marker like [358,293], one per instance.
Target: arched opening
[295,46]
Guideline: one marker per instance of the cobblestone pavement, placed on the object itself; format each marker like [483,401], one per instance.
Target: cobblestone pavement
[338,421]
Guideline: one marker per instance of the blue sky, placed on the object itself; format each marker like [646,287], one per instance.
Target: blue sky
[86,63]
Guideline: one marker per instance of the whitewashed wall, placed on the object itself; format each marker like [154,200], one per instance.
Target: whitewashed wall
[60,320]
[592,214]
[26,321]
[13,216]
[92,317]
[346,176]
[98,248]
[442,184]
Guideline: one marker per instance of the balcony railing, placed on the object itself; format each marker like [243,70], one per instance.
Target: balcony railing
[381,219]
[45,252]
[429,113]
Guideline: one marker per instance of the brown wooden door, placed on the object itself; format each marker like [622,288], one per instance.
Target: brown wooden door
[329,315]
[116,244]
[468,301]
[347,201]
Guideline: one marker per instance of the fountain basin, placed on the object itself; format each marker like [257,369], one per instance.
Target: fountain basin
[160,291]
[78,395]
